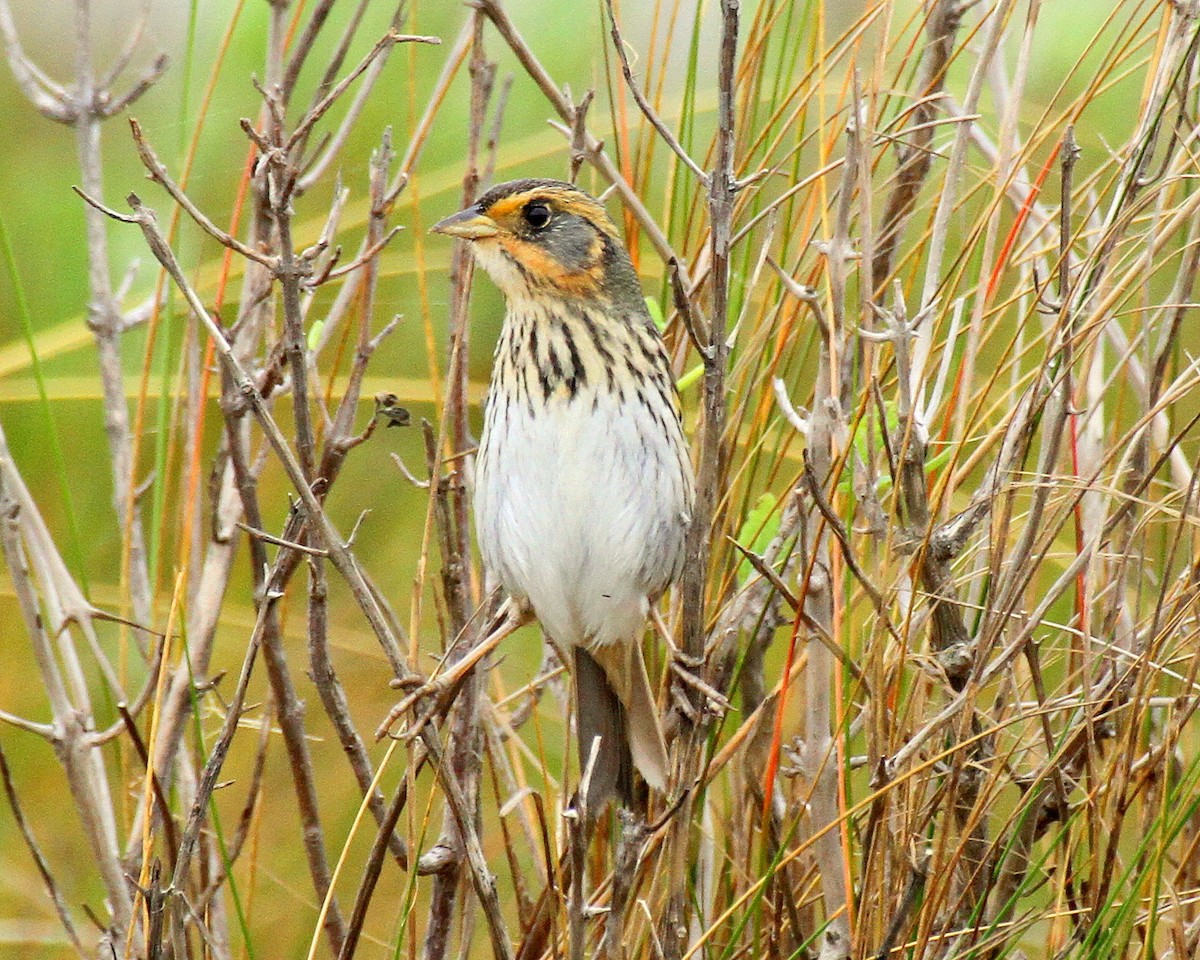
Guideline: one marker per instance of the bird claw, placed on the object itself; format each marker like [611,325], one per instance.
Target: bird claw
[685,667]
[440,690]
[434,690]
[684,705]
[682,660]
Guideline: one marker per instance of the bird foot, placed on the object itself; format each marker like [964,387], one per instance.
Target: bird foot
[440,690]
[436,691]
[684,705]
[686,669]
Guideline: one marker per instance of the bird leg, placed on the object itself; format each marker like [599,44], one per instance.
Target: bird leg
[441,688]
[688,670]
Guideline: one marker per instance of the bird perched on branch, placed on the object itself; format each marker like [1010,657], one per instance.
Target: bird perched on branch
[584,489]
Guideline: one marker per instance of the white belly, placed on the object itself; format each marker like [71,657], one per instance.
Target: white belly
[582,508]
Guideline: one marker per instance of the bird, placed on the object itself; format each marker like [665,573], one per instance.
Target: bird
[584,487]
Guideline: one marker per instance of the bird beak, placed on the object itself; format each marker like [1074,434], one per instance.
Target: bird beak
[469,224]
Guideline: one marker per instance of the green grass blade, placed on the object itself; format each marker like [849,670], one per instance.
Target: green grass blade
[75,542]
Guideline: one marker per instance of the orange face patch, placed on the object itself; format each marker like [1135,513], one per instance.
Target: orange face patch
[551,272]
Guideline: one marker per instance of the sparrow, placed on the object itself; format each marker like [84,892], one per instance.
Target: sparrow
[583,485]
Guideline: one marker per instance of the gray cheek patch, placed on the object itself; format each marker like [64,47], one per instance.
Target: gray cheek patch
[570,240]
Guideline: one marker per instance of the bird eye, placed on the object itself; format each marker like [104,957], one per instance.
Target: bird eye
[537,215]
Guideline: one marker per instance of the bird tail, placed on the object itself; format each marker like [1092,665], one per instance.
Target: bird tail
[614,702]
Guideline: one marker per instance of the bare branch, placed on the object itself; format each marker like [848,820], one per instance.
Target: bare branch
[110,107]
[382,45]
[49,98]
[644,105]
[158,173]
[35,851]
[362,259]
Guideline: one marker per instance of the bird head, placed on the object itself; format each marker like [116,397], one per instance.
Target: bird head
[547,238]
